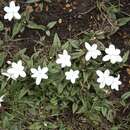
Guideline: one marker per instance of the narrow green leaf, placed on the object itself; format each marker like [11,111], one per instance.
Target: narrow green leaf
[74,107]
[32,1]
[2,58]
[104,111]
[22,93]
[17,28]
[35,126]
[78,54]
[125,57]
[1,26]
[33,25]
[55,47]
[125,95]
[51,24]
[123,21]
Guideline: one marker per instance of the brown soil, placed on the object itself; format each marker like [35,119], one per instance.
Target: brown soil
[75,16]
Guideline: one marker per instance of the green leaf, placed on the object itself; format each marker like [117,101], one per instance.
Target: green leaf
[74,43]
[2,58]
[20,25]
[17,28]
[50,125]
[126,56]
[33,25]
[1,26]
[115,128]
[51,24]
[110,116]
[6,122]
[61,87]
[32,1]
[125,96]
[104,111]
[66,46]
[74,107]
[55,47]
[35,126]
[78,54]
[53,68]
[48,33]
[22,93]
[123,21]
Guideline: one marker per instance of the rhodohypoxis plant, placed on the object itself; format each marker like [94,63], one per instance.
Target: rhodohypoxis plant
[115,83]
[16,70]
[72,75]
[106,79]
[64,59]
[39,74]
[93,52]
[12,11]
[112,54]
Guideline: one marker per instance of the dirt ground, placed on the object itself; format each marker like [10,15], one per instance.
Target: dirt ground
[75,17]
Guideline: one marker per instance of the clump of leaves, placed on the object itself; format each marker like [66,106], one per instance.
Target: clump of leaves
[30,106]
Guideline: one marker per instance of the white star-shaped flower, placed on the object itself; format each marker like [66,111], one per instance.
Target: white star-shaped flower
[93,52]
[39,74]
[1,99]
[16,70]
[104,78]
[113,54]
[72,75]
[64,59]
[12,11]
[116,82]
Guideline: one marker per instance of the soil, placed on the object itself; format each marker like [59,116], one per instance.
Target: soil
[74,17]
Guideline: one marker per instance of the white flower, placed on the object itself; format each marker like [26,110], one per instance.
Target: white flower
[104,78]
[12,11]
[16,70]
[93,52]
[113,54]
[1,99]
[64,59]
[116,82]
[39,74]
[72,75]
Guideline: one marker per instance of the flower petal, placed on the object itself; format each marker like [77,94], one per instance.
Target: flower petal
[117,51]
[45,76]
[17,15]
[102,85]
[38,81]
[106,58]
[65,52]
[94,46]
[12,4]
[22,74]
[99,73]
[45,70]
[6,9]
[33,70]
[73,80]
[107,73]
[87,46]
[8,16]
[88,56]
[109,80]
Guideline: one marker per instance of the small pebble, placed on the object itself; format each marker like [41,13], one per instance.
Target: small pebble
[67,5]
[60,21]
